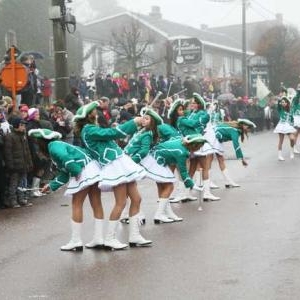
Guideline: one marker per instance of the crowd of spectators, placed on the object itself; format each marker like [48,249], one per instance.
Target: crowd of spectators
[23,169]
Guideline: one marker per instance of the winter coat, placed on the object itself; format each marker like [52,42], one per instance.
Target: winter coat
[17,155]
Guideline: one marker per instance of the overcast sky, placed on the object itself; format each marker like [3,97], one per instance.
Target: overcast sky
[212,13]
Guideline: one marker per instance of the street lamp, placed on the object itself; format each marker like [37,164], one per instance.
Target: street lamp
[244,43]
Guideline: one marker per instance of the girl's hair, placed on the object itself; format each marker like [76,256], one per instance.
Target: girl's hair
[79,124]
[43,146]
[153,128]
[287,107]
[239,126]
[175,117]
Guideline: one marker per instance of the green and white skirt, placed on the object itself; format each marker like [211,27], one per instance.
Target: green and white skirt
[89,175]
[121,170]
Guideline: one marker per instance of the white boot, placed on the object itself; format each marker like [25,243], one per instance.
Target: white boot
[229,183]
[292,155]
[111,241]
[97,242]
[207,195]
[142,218]
[160,215]
[180,193]
[75,243]
[135,238]
[36,185]
[170,213]
[296,151]
[191,196]
[280,157]
[212,185]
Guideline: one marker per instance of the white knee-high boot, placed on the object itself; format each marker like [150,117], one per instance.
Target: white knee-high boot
[75,244]
[292,155]
[97,242]
[280,157]
[135,237]
[160,214]
[229,183]
[170,213]
[207,195]
[111,242]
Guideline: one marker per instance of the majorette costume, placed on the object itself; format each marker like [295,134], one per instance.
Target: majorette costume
[224,133]
[157,165]
[116,167]
[165,154]
[286,121]
[71,161]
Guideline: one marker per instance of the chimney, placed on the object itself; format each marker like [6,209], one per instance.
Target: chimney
[279,18]
[203,26]
[155,12]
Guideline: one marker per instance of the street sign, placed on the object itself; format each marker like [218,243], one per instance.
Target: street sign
[14,76]
[187,51]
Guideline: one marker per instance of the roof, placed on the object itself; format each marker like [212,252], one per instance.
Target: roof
[165,28]
[252,30]
[226,37]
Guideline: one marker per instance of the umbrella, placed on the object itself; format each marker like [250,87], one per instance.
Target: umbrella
[35,54]
[225,97]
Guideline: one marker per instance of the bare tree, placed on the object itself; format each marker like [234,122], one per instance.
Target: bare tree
[132,46]
[281,47]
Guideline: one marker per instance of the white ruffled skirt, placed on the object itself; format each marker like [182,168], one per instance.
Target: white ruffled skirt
[89,175]
[121,170]
[284,128]
[297,121]
[157,172]
[207,148]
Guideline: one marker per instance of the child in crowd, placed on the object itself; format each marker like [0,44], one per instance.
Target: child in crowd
[18,163]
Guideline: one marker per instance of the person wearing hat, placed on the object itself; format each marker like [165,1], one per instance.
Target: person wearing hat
[295,109]
[40,163]
[285,126]
[140,145]
[81,172]
[18,163]
[118,171]
[216,117]
[231,131]
[159,165]
[176,116]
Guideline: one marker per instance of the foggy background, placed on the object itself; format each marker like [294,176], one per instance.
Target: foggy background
[213,13]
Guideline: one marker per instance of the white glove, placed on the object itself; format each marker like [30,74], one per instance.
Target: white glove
[197,188]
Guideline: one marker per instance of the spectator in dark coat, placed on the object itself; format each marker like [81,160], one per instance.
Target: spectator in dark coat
[18,163]
[72,102]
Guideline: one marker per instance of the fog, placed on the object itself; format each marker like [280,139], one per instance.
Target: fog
[213,13]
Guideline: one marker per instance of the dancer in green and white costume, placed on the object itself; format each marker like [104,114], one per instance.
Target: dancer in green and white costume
[83,173]
[285,126]
[163,158]
[295,108]
[119,173]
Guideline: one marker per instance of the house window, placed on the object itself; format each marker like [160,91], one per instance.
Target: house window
[238,66]
[10,38]
[51,47]
[227,65]
[208,61]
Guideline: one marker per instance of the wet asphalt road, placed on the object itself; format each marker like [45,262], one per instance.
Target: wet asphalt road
[246,246]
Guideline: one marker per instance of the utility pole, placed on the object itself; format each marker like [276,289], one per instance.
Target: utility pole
[244,42]
[57,13]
